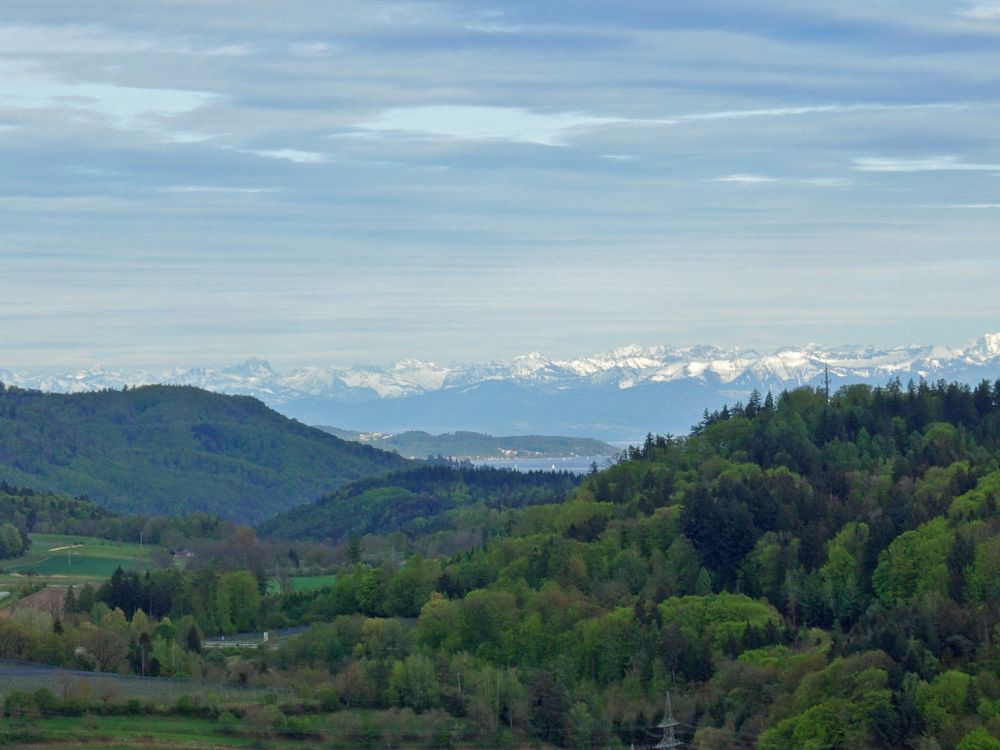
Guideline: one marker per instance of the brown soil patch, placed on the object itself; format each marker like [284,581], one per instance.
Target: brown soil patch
[51,600]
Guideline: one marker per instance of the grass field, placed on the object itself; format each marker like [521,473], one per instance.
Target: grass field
[118,688]
[61,560]
[345,730]
[127,732]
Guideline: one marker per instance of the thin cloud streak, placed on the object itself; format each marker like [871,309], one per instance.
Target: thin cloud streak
[24,88]
[760,179]
[290,154]
[521,125]
[436,179]
[740,114]
[924,164]
[984,12]
[487,123]
[214,189]
[745,179]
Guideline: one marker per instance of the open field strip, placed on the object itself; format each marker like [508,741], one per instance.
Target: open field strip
[348,729]
[28,676]
[302,583]
[66,560]
[131,733]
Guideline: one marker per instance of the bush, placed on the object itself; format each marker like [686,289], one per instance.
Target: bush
[228,723]
[45,699]
[262,721]
[296,727]
[185,705]
[188,706]
[74,706]
[20,732]
[20,704]
[329,699]
[979,739]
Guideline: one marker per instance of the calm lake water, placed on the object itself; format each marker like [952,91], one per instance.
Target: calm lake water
[574,464]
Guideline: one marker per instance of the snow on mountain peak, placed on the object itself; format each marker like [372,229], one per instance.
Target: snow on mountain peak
[633,351]
[623,368]
[421,374]
[988,346]
[530,366]
[253,367]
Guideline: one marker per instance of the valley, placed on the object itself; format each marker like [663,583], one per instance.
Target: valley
[450,375]
[792,559]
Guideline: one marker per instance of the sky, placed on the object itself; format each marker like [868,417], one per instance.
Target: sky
[193,182]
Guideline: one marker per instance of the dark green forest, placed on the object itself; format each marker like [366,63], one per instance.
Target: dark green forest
[801,571]
[172,450]
[416,502]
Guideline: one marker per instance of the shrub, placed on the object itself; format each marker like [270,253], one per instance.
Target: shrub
[295,727]
[329,699]
[185,705]
[20,704]
[45,699]
[228,723]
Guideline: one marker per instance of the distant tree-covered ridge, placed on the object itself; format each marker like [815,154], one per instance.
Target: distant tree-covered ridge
[464,444]
[46,513]
[33,512]
[172,450]
[416,501]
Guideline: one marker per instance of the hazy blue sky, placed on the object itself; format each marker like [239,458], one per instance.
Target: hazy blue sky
[193,182]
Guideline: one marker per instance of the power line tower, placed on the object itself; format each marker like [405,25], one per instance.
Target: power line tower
[826,380]
[669,741]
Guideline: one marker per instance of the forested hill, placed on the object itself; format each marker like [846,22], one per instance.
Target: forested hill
[417,502]
[43,513]
[872,516]
[173,450]
[802,571]
[799,572]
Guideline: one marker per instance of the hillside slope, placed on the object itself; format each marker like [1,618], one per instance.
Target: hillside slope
[174,450]
[416,501]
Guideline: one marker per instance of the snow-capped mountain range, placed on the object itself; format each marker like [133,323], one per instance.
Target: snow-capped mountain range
[617,395]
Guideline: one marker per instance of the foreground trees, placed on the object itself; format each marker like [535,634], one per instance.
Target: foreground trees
[12,543]
[799,573]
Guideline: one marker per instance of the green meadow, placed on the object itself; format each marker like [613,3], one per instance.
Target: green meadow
[303,583]
[63,559]
[259,727]
[125,733]
[103,687]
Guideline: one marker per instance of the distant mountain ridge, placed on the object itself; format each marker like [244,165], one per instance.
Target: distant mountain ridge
[476,445]
[618,395]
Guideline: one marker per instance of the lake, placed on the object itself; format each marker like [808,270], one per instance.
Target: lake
[573,464]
